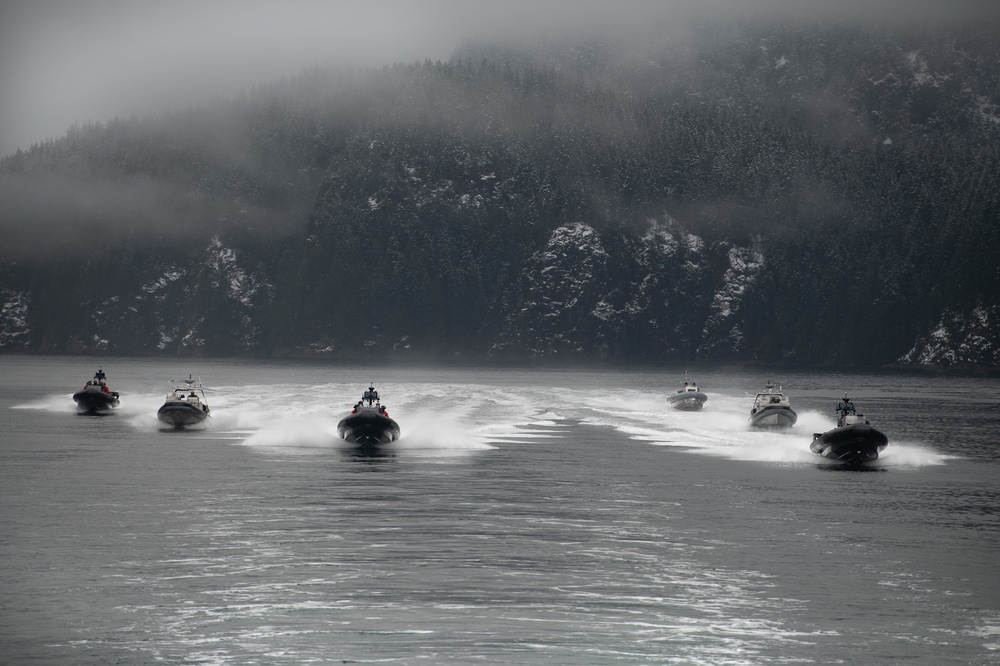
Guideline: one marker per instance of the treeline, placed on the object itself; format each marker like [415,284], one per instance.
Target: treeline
[401,205]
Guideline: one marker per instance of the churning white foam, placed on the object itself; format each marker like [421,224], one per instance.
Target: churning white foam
[439,431]
[721,429]
[302,432]
[474,417]
[50,403]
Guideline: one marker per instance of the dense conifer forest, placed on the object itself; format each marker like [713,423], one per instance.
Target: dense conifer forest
[738,191]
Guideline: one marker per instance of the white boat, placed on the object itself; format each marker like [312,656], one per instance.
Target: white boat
[772,409]
[688,397]
[185,405]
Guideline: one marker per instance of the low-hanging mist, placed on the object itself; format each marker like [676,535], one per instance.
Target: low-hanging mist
[743,191]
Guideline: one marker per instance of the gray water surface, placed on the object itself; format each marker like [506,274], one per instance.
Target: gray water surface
[526,516]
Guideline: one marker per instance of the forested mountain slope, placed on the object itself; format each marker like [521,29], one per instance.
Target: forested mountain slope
[806,193]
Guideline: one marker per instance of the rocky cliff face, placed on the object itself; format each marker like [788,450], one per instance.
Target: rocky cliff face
[14,327]
[207,302]
[659,294]
[723,336]
[960,339]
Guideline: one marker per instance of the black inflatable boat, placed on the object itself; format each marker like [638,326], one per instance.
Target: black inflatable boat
[368,425]
[854,441]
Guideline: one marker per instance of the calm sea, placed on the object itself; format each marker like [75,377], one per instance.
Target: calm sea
[525,516]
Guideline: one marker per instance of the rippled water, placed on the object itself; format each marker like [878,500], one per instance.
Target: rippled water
[526,516]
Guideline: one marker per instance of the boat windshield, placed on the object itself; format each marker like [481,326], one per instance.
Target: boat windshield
[765,399]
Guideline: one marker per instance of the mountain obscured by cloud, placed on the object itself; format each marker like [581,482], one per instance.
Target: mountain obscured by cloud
[64,62]
[803,192]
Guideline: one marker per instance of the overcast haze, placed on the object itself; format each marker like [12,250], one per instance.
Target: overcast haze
[70,61]
[66,61]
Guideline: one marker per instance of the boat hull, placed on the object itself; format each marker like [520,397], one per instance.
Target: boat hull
[689,401]
[368,429]
[851,444]
[774,416]
[93,401]
[180,414]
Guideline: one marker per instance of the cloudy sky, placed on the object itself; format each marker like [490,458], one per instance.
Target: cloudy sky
[73,61]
